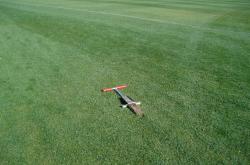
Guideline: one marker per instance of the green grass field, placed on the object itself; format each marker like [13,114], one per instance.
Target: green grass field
[188,62]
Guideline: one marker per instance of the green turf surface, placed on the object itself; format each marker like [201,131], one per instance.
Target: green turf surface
[188,62]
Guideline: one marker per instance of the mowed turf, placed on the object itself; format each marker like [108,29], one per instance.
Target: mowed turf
[188,62]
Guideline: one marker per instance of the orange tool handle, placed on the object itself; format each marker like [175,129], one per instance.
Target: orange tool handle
[111,89]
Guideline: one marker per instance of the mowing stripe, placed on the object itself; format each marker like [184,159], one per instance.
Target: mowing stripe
[125,16]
